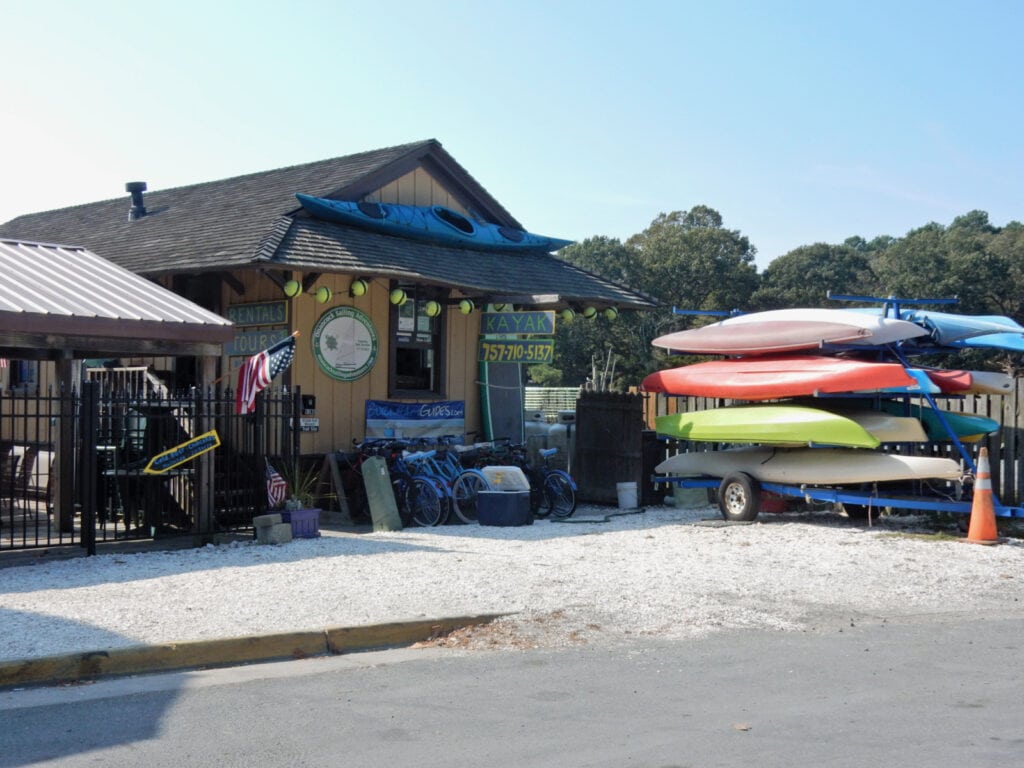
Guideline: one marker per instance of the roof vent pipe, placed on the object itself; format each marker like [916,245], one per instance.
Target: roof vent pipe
[136,188]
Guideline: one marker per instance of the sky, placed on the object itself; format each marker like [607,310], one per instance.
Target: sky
[799,122]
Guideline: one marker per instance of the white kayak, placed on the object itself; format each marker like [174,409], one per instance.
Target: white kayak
[810,466]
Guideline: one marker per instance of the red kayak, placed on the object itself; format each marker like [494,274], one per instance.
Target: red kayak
[950,382]
[769,378]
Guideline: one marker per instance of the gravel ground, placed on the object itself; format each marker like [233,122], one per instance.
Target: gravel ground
[602,577]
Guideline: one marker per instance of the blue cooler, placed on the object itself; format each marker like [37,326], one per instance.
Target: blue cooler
[503,508]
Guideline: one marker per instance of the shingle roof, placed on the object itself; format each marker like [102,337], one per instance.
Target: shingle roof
[255,221]
[62,291]
[320,246]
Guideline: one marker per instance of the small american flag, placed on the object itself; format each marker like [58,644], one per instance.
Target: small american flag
[259,370]
[277,488]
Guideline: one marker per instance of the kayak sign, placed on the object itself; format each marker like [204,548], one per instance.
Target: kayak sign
[542,322]
[180,454]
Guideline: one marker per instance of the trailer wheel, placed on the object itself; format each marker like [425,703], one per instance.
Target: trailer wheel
[739,497]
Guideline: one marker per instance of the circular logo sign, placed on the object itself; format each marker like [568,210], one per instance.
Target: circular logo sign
[344,343]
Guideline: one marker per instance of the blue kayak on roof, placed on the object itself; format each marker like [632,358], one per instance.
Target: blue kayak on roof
[434,223]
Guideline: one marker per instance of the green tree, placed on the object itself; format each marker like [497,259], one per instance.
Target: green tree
[684,259]
[804,276]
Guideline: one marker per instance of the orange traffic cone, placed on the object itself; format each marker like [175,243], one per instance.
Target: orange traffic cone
[982,529]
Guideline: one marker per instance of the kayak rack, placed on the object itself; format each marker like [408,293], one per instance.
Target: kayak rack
[868,499]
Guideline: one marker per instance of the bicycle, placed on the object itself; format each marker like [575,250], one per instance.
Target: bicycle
[464,483]
[426,494]
[552,490]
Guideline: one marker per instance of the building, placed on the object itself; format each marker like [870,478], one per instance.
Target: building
[245,249]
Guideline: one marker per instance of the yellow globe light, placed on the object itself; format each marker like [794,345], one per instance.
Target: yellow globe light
[323,294]
[466,306]
[568,314]
[398,297]
[292,288]
[590,313]
[359,287]
[611,313]
[433,308]
[500,307]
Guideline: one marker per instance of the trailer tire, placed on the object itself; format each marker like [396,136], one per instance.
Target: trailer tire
[739,497]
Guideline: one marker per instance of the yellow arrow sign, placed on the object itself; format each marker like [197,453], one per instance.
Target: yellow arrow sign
[182,453]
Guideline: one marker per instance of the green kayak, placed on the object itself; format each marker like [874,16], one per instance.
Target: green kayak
[790,425]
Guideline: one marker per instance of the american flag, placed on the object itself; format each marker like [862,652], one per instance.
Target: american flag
[259,370]
[3,362]
[277,488]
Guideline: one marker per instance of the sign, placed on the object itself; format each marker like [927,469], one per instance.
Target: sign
[309,425]
[542,322]
[178,455]
[263,313]
[516,351]
[308,405]
[435,419]
[249,343]
[344,343]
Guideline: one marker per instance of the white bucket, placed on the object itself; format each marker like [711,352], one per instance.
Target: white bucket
[627,495]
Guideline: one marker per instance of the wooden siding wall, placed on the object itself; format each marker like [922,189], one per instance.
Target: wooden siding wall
[340,405]
[417,188]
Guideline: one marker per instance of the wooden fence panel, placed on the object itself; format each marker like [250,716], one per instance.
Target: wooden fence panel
[609,429]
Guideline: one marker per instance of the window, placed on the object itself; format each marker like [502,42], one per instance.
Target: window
[417,348]
[23,375]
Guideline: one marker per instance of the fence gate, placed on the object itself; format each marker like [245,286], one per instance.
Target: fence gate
[72,465]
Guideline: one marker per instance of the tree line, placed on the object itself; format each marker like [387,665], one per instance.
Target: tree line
[688,260]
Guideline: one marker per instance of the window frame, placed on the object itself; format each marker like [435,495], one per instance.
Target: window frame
[417,298]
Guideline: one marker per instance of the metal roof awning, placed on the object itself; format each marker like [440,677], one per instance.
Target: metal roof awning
[65,301]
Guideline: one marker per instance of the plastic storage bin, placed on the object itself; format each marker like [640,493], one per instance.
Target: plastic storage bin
[503,508]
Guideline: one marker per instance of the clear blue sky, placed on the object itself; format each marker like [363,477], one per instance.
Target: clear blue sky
[799,122]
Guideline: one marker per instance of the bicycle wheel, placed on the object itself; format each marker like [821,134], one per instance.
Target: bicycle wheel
[559,495]
[426,505]
[464,491]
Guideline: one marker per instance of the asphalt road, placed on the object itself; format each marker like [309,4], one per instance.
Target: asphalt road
[939,691]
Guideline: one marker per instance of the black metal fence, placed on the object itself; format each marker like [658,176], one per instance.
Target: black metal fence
[73,466]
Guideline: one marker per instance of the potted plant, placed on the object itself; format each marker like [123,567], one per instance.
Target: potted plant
[300,508]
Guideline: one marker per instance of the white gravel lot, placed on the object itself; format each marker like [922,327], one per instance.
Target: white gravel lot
[662,571]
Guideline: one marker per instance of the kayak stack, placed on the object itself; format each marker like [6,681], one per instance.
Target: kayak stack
[835,378]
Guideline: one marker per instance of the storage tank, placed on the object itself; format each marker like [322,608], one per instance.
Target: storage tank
[535,428]
[562,435]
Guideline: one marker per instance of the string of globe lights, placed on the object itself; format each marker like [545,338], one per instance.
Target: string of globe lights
[360,286]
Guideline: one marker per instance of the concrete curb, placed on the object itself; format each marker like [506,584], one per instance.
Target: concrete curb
[231,651]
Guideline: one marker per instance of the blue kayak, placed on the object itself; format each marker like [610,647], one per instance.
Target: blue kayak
[948,329]
[434,223]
